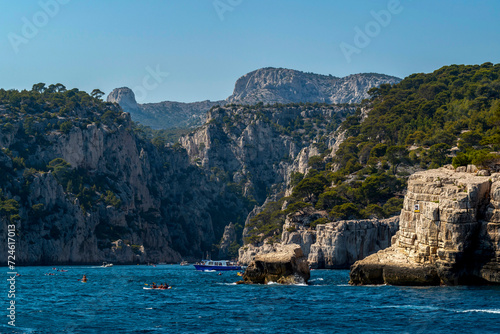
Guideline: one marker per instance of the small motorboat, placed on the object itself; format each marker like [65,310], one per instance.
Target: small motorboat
[106,265]
[220,265]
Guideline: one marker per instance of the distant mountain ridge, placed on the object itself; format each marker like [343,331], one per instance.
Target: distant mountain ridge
[162,115]
[267,85]
[280,85]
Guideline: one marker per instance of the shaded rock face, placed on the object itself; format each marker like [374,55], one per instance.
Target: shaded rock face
[335,245]
[286,265]
[250,149]
[166,209]
[228,238]
[279,85]
[449,233]
[170,114]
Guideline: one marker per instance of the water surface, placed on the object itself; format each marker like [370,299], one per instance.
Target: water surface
[114,301]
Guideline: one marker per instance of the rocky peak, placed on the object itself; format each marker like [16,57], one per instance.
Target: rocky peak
[125,97]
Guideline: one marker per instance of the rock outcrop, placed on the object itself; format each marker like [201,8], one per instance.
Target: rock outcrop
[286,265]
[125,97]
[334,245]
[449,233]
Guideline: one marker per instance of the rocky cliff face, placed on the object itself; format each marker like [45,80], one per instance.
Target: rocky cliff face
[228,238]
[279,85]
[449,232]
[258,150]
[334,245]
[107,195]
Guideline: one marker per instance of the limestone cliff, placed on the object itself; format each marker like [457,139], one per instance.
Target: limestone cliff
[449,232]
[334,245]
[258,148]
[280,85]
[228,238]
[86,188]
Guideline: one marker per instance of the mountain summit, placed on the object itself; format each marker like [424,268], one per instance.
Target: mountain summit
[280,85]
[125,97]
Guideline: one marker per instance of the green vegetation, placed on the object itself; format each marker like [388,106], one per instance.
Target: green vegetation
[414,123]
[89,189]
[35,115]
[9,208]
[302,122]
[160,137]
[233,250]
[266,224]
[428,114]
[44,109]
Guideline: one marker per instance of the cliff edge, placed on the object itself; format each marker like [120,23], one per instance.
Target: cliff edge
[449,232]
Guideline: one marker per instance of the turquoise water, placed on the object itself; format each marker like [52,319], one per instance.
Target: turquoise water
[114,301]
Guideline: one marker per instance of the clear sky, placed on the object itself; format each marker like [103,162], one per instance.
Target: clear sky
[205,45]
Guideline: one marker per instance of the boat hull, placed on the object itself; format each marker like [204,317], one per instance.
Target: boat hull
[203,267]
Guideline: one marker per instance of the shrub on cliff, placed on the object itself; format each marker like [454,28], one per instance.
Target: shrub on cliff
[61,170]
[9,208]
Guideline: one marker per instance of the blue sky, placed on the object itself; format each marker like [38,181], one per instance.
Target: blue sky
[205,45]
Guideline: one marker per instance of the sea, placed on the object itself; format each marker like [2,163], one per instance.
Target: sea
[113,300]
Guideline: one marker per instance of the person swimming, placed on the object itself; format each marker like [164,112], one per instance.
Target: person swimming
[84,279]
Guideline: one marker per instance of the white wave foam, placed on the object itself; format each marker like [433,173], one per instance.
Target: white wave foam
[494,311]
[316,279]
[411,307]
